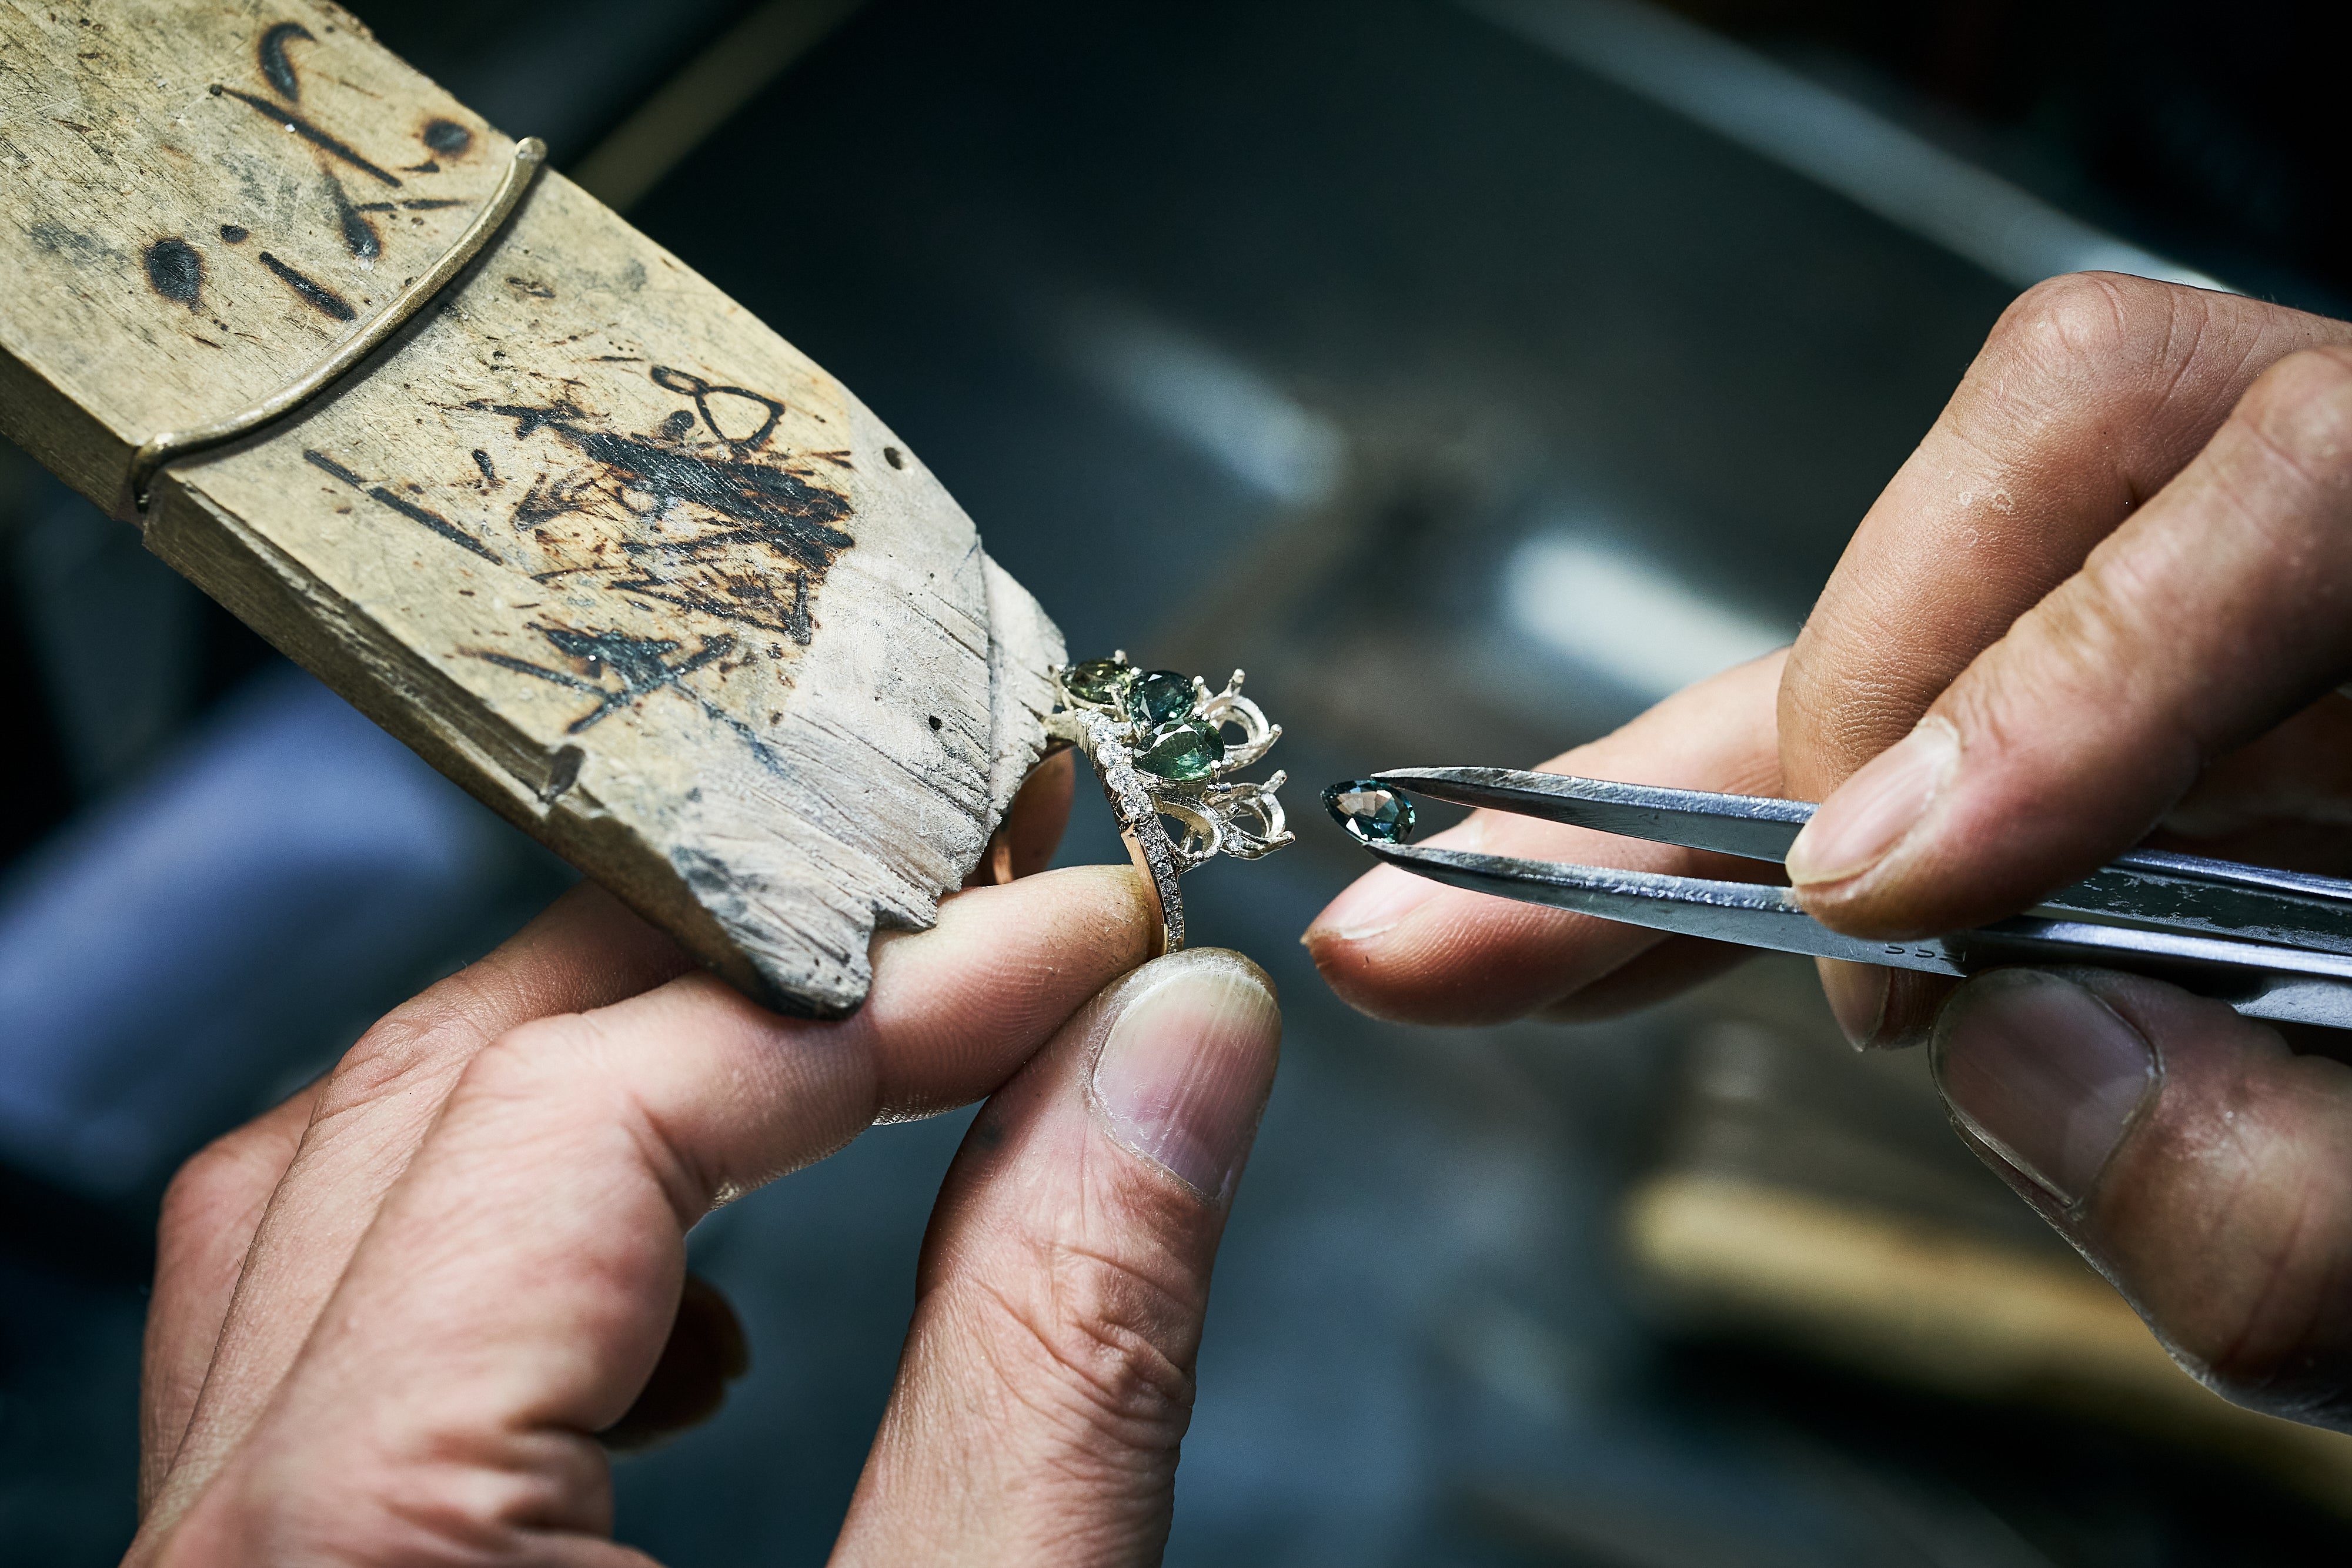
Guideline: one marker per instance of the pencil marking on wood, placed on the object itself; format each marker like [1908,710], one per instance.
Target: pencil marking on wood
[316,295]
[175,269]
[275,67]
[405,508]
[332,145]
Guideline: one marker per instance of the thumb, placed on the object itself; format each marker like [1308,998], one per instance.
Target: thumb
[1047,1380]
[2188,1153]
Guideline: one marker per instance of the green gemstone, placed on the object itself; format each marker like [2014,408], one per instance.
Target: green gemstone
[1161,697]
[1184,754]
[1097,681]
[1369,810]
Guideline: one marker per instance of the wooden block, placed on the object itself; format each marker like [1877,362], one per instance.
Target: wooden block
[587,535]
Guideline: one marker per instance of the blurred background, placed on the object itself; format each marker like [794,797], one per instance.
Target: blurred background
[1472,372]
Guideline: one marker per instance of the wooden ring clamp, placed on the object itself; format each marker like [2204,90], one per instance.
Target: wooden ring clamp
[171,445]
[760,680]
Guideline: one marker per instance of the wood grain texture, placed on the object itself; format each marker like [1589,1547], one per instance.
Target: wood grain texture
[587,535]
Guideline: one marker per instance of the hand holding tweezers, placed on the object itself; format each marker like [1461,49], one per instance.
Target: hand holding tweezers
[2270,943]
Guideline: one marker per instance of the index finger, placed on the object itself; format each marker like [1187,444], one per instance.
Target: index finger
[2090,395]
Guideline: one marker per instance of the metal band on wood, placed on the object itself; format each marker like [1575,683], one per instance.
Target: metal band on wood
[171,445]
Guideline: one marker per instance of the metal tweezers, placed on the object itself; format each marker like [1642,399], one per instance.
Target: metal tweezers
[2270,943]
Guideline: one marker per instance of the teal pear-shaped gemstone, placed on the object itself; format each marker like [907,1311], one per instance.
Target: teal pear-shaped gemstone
[1160,697]
[1183,753]
[1101,682]
[1369,810]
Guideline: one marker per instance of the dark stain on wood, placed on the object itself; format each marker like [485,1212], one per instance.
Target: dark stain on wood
[482,462]
[620,671]
[81,249]
[708,522]
[177,271]
[796,623]
[640,665]
[275,68]
[446,137]
[358,234]
[236,233]
[320,460]
[406,508]
[562,772]
[316,295]
[891,455]
[332,146]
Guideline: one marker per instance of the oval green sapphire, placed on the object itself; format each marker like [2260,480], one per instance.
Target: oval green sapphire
[1161,697]
[1369,810]
[1183,754]
[1099,681]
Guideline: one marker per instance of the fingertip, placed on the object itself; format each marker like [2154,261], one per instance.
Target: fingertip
[1372,905]
[706,1350]
[954,1009]
[1102,909]
[1184,1069]
[1366,972]
[1025,841]
[1857,999]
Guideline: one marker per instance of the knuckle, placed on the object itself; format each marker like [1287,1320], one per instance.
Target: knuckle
[547,1063]
[2078,323]
[415,1042]
[219,1174]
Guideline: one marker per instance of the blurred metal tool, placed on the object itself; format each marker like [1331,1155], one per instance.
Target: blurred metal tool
[2270,943]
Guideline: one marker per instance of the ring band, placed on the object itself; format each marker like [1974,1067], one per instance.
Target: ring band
[1158,744]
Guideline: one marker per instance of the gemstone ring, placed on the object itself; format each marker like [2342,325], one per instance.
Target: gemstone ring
[1158,741]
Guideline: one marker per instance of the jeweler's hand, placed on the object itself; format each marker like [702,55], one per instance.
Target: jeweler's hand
[2107,595]
[392,1317]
